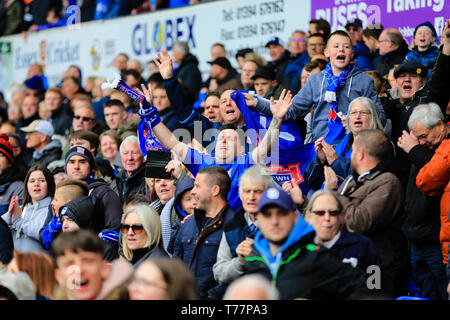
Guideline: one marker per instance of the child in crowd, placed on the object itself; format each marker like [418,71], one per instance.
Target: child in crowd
[425,50]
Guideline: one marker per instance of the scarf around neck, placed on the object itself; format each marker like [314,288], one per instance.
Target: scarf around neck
[334,85]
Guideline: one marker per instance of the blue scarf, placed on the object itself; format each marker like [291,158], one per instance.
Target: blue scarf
[334,85]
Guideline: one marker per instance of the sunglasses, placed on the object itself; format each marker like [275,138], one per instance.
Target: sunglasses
[137,228]
[84,119]
[322,212]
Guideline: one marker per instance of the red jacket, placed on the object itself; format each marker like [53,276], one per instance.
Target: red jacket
[433,180]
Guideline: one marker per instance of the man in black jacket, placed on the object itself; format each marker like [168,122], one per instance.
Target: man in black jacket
[422,225]
[393,49]
[187,70]
[280,59]
[284,252]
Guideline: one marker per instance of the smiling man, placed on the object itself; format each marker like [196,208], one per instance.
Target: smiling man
[131,179]
[81,272]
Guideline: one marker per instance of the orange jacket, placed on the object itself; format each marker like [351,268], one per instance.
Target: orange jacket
[433,180]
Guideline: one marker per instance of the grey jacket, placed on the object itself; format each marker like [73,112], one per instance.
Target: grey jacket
[25,229]
[14,189]
[227,268]
[311,96]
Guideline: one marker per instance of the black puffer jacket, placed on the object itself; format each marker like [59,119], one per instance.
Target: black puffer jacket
[125,186]
[110,201]
[189,74]
[388,60]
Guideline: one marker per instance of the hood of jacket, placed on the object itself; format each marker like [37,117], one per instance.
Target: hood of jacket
[188,59]
[300,230]
[54,144]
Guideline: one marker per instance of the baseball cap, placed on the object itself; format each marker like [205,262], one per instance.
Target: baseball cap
[221,61]
[354,23]
[278,197]
[42,126]
[265,72]
[411,67]
[275,40]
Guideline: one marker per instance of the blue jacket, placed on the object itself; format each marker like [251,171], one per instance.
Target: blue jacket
[197,243]
[362,57]
[311,96]
[427,58]
[354,245]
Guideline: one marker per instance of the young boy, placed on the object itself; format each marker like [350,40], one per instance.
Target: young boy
[80,213]
[66,190]
[81,272]
[329,92]
[425,49]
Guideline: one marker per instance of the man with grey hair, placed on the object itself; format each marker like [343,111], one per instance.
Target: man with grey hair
[251,287]
[131,180]
[186,68]
[239,232]
[422,225]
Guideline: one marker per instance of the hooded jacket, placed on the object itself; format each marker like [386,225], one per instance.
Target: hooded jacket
[317,272]
[190,74]
[110,202]
[51,152]
[388,60]
[26,229]
[312,96]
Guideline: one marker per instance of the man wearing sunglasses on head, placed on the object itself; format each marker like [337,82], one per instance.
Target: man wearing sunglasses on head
[285,253]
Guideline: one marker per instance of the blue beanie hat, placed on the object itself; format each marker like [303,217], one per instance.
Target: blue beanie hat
[35,83]
[429,26]
[82,152]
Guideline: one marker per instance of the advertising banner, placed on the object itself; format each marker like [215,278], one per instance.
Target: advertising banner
[92,46]
[403,15]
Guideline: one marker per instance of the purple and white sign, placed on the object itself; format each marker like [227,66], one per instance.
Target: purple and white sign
[403,15]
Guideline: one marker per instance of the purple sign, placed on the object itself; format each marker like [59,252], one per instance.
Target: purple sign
[403,15]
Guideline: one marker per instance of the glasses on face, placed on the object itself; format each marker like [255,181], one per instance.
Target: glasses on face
[354,29]
[137,228]
[298,40]
[84,119]
[361,112]
[383,40]
[322,212]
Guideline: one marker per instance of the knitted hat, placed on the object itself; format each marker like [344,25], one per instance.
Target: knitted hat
[6,147]
[429,26]
[82,152]
[83,211]
[35,83]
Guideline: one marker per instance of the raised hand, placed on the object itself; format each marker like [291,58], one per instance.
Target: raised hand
[331,180]
[294,191]
[175,167]
[445,39]
[329,151]
[164,64]
[319,150]
[14,209]
[244,249]
[282,106]
[407,141]
[147,93]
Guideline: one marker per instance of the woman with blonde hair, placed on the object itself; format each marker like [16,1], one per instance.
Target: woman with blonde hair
[140,235]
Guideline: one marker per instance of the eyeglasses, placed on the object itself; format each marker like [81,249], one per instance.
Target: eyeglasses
[361,112]
[322,212]
[298,40]
[84,119]
[137,228]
